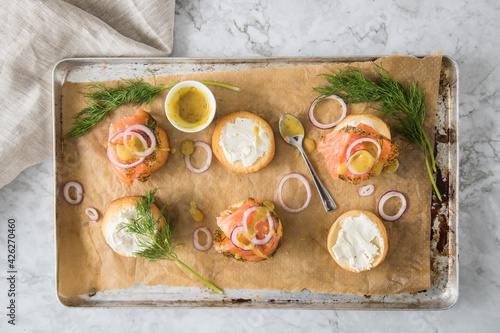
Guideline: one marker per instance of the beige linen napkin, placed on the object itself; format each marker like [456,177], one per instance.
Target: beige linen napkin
[35,35]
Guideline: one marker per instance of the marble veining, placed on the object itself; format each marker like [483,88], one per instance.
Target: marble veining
[464,30]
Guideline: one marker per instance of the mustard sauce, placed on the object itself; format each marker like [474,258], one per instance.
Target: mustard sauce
[187,147]
[134,144]
[361,161]
[309,145]
[195,212]
[189,105]
[291,126]
[393,167]
[269,204]
[342,168]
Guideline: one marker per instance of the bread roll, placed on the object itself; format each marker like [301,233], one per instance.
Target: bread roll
[118,213]
[357,241]
[235,149]
[368,119]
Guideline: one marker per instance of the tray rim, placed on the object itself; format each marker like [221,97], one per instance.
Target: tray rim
[452,205]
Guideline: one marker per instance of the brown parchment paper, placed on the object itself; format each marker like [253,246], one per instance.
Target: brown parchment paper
[86,264]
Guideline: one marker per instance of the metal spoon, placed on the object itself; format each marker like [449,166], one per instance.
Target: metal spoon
[296,141]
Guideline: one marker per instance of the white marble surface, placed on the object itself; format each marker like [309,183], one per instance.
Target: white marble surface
[465,30]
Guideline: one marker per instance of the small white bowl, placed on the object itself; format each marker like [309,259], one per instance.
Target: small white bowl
[172,111]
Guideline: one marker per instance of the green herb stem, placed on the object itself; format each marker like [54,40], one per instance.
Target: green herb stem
[432,178]
[104,100]
[199,277]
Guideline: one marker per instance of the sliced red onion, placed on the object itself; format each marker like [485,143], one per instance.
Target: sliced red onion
[272,226]
[351,170]
[234,238]
[79,192]
[308,189]
[358,141]
[366,191]
[331,125]
[114,161]
[196,242]
[92,213]
[383,199]
[148,131]
[187,159]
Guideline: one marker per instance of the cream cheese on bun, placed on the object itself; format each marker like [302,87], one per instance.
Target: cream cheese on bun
[244,140]
[117,236]
[359,242]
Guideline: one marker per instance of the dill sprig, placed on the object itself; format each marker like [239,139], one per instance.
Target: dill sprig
[103,100]
[156,243]
[404,103]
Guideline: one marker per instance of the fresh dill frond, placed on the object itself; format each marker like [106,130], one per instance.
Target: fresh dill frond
[156,242]
[102,100]
[405,103]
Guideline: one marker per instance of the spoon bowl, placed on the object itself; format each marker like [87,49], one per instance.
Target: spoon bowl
[292,132]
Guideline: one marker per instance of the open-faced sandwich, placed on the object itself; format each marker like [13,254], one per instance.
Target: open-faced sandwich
[243,142]
[359,147]
[357,241]
[248,231]
[118,214]
[137,147]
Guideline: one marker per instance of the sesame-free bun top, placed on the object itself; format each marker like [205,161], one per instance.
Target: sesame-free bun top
[373,121]
[333,237]
[238,165]
[116,211]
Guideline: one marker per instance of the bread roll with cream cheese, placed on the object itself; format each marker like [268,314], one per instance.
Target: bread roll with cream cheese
[118,213]
[357,241]
[243,142]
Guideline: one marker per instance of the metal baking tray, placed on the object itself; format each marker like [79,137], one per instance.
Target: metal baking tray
[443,292]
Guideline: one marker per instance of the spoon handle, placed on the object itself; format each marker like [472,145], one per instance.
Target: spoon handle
[326,198]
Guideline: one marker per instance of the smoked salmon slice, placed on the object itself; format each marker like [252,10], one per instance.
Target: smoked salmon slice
[334,145]
[151,163]
[231,219]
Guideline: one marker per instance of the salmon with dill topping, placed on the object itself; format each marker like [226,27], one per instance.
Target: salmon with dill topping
[151,163]
[232,218]
[335,144]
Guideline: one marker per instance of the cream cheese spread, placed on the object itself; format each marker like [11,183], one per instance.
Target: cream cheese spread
[244,140]
[119,238]
[359,242]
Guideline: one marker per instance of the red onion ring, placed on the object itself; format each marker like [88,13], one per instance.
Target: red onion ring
[351,170]
[92,213]
[187,159]
[319,125]
[114,161]
[358,141]
[383,199]
[272,226]
[234,238]
[79,192]
[366,191]
[196,242]
[308,189]
[148,131]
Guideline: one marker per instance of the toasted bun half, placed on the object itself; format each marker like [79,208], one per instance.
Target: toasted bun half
[373,121]
[333,236]
[161,155]
[238,166]
[113,211]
